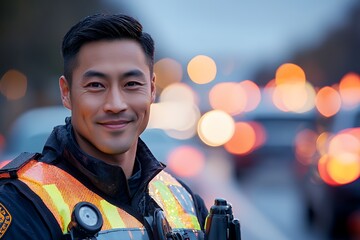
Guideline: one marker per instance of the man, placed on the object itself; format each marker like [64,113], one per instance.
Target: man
[97,157]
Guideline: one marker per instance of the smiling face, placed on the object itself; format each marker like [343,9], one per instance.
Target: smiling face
[109,97]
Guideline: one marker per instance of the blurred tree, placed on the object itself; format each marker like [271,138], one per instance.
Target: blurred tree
[326,63]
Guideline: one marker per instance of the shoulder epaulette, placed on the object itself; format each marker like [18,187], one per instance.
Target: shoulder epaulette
[10,169]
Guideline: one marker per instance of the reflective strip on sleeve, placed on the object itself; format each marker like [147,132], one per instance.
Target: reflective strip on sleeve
[60,204]
[170,204]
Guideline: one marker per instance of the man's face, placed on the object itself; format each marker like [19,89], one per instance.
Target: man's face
[110,97]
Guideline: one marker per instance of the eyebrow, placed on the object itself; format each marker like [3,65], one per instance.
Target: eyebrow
[131,73]
[93,73]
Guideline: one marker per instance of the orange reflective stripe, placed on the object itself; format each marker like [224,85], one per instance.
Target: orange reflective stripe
[52,184]
[36,175]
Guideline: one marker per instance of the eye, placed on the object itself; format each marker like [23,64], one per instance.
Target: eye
[132,84]
[95,85]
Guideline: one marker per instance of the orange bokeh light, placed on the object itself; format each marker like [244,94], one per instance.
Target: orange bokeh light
[244,139]
[290,73]
[349,89]
[167,71]
[229,97]
[186,161]
[13,84]
[253,94]
[202,69]
[328,101]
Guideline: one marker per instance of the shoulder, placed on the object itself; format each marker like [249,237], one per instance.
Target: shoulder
[199,204]
[16,211]
[19,216]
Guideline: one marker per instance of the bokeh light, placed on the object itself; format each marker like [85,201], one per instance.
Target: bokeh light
[305,146]
[229,97]
[328,101]
[216,127]
[295,97]
[323,171]
[186,161]
[179,116]
[341,163]
[243,141]
[290,90]
[344,168]
[289,73]
[349,89]
[176,112]
[13,84]
[322,142]
[253,94]
[167,71]
[178,92]
[202,69]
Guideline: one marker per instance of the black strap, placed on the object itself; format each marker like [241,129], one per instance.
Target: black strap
[14,165]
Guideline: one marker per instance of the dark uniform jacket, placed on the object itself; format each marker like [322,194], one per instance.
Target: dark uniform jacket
[107,181]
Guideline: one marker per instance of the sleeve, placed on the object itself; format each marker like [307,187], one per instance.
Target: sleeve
[19,219]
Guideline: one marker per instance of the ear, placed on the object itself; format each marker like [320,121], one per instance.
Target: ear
[65,92]
[153,88]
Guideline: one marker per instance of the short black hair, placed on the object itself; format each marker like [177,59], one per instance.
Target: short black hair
[104,27]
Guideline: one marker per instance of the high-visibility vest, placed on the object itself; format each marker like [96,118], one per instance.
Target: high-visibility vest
[60,192]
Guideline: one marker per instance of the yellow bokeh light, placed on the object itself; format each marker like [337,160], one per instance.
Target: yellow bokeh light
[167,71]
[202,69]
[13,85]
[180,116]
[216,127]
[344,168]
[295,97]
[328,101]
[178,92]
[229,97]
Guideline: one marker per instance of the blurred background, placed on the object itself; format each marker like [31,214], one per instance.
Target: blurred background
[258,102]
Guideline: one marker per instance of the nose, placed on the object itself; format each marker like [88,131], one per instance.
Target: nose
[115,101]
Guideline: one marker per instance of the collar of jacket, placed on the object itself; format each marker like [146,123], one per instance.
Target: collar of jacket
[62,149]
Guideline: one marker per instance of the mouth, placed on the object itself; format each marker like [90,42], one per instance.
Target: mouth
[115,124]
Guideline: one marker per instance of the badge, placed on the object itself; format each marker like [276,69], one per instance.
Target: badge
[5,220]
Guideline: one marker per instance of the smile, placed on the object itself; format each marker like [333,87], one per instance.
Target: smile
[115,124]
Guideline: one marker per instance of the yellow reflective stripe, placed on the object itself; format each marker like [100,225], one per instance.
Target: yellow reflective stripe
[195,222]
[112,215]
[60,204]
[170,203]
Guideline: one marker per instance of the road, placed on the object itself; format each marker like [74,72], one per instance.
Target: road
[267,200]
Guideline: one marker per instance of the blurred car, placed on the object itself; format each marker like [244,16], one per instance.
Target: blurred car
[275,133]
[331,183]
[31,129]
